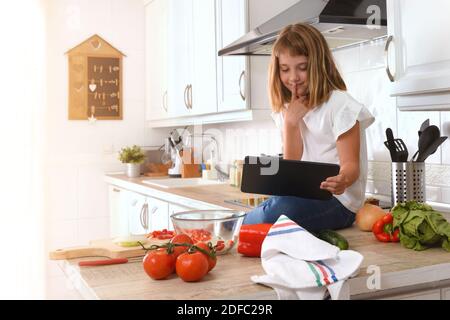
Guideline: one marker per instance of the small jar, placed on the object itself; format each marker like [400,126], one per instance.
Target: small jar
[232,174]
[239,169]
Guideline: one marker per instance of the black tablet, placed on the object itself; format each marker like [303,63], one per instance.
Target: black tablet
[279,177]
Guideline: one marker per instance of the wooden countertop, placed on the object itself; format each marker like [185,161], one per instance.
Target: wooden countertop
[210,194]
[397,267]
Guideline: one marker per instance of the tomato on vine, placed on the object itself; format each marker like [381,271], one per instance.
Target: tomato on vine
[191,266]
[159,263]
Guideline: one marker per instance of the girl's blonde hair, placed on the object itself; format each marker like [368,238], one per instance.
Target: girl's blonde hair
[323,76]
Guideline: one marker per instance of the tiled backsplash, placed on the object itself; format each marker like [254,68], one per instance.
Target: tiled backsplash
[364,73]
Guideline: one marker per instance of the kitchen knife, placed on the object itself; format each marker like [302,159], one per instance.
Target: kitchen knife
[104,262]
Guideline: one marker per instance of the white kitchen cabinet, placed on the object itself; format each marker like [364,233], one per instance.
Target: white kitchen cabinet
[434,294]
[117,211]
[445,293]
[419,53]
[232,71]
[156,59]
[137,213]
[158,213]
[134,213]
[192,58]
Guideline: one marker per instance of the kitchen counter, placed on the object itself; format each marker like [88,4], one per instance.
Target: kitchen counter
[400,270]
[206,196]
[397,270]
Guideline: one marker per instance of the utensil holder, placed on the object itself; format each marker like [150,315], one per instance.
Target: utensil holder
[408,182]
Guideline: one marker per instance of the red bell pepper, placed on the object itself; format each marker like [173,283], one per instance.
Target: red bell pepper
[251,237]
[383,229]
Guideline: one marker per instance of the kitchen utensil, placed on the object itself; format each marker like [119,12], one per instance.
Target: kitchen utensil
[428,136]
[176,146]
[103,248]
[424,125]
[400,150]
[431,149]
[390,144]
[396,147]
[105,262]
[220,227]
[166,156]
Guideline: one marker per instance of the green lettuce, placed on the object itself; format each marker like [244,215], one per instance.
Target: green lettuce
[420,226]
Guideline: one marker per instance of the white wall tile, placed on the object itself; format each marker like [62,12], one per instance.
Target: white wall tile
[93,194]
[62,193]
[437,175]
[433,194]
[353,83]
[258,82]
[408,125]
[445,195]
[133,75]
[372,55]
[347,60]
[370,186]
[61,234]
[375,96]
[96,17]
[382,187]
[128,13]
[92,229]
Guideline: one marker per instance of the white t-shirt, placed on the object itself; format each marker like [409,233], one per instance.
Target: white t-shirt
[320,130]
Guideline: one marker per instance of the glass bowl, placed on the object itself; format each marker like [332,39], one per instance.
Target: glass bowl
[220,227]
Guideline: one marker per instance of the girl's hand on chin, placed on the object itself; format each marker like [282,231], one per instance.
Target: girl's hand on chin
[296,110]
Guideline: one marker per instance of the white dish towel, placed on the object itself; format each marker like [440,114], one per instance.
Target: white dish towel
[300,266]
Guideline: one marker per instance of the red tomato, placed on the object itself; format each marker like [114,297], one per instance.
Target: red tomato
[181,238]
[159,264]
[220,245]
[163,234]
[200,235]
[211,261]
[191,266]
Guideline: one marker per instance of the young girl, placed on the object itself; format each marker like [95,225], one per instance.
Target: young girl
[320,122]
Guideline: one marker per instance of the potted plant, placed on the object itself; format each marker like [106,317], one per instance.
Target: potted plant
[133,156]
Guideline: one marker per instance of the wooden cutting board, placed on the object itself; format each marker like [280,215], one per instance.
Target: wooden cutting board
[102,248]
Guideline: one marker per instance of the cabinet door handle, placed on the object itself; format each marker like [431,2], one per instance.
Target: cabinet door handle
[146,218]
[186,102]
[165,100]
[116,190]
[240,85]
[141,215]
[386,58]
[190,96]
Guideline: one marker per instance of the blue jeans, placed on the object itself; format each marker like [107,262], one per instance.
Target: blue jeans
[313,215]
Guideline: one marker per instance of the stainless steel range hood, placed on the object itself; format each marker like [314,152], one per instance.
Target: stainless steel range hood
[342,22]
